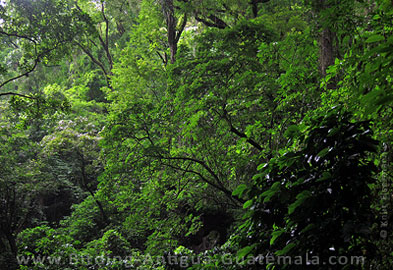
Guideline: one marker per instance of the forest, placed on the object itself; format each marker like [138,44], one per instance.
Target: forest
[196,134]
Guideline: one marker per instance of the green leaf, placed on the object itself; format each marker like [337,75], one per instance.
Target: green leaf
[247,204]
[270,192]
[239,190]
[325,175]
[300,198]
[275,235]
[307,228]
[245,251]
[291,131]
[333,131]
[375,38]
[323,152]
[261,166]
[286,249]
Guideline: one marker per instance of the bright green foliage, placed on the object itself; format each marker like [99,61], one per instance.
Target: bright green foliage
[43,244]
[136,130]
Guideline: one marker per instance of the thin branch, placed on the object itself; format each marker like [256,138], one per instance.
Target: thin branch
[106,23]
[16,94]
[106,49]
[18,36]
[13,43]
[21,75]
[36,61]
[164,60]
[219,184]
[239,133]
[200,162]
[91,56]
[86,186]
[227,192]
[92,41]
[242,135]
[180,188]
[97,62]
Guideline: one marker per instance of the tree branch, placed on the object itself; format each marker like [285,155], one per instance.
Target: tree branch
[91,56]
[200,162]
[36,61]
[18,36]
[164,59]
[16,94]
[254,4]
[227,192]
[86,186]
[242,135]
[21,75]
[97,62]
[215,21]
[239,133]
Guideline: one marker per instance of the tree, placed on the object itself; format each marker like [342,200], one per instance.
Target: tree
[98,41]
[38,37]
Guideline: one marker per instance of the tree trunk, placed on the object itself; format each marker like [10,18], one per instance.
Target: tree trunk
[327,37]
[326,48]
[169,13]
[171,23]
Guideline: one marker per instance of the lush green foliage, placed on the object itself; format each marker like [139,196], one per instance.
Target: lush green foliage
[302,202]
[178,134]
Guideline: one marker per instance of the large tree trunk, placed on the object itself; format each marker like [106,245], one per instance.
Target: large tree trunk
[327,37]
[171,23]
[327,54]
[169,13]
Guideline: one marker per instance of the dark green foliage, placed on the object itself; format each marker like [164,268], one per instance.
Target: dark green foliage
[316,200]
